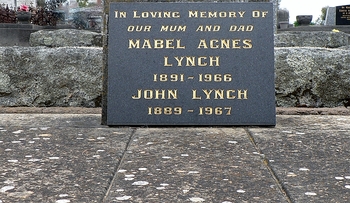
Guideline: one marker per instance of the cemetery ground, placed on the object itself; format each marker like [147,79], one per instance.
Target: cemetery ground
[65,155]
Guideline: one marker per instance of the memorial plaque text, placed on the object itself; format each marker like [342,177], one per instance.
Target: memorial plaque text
[190,64]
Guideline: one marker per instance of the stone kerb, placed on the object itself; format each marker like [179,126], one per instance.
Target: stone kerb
[66,38]
[312,39]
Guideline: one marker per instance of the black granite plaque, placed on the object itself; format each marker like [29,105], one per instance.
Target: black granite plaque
[191,64]
[343,15]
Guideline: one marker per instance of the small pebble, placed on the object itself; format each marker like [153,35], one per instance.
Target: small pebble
[123,198]
[16,142]
[130,176]
[196,199]
[310,193]
[140,183]
[6,188]
[62,201]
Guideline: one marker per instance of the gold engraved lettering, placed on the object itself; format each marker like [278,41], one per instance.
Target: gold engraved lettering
[155,43]
[166,62]
[215,14]
[155,94]
[156,14]
[160,93]
[173,28]
[134,44]
[179,60]
[241,14]
[264,13]
[229,94]
[146,44]
[208,28]
[225,44]
[202,44]
[200,61]
[212,60]
[235,44]
[191,61]
[158,44]
[172,94]
[243,28]
[119,14]
[214,43]
[219,94]
[207,93]
[259,14]
[232,14]
[212,14]
[178,44]
[247,44]
[139,28]
[194,95]
[243,93]
[169,44]
[193,14]
[139,92]
[148,94]
[136,15]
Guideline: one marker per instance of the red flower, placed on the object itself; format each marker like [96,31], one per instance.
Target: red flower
[24,8]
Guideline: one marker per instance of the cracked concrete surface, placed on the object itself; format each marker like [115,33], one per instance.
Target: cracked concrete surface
[72,158]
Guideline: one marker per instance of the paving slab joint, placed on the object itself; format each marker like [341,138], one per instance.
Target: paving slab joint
[118,165]
[269,168]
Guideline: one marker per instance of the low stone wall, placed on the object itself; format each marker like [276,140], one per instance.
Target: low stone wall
[313,77]
[40,76]
[72,76]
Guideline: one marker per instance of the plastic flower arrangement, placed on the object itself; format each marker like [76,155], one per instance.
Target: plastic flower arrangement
[24,8]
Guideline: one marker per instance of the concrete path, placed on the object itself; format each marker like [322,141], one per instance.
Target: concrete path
[64,158]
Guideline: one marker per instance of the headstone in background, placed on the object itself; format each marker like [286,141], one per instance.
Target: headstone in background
[330,17]
[282,18]
[179,64]
[343,15]
[304,20]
